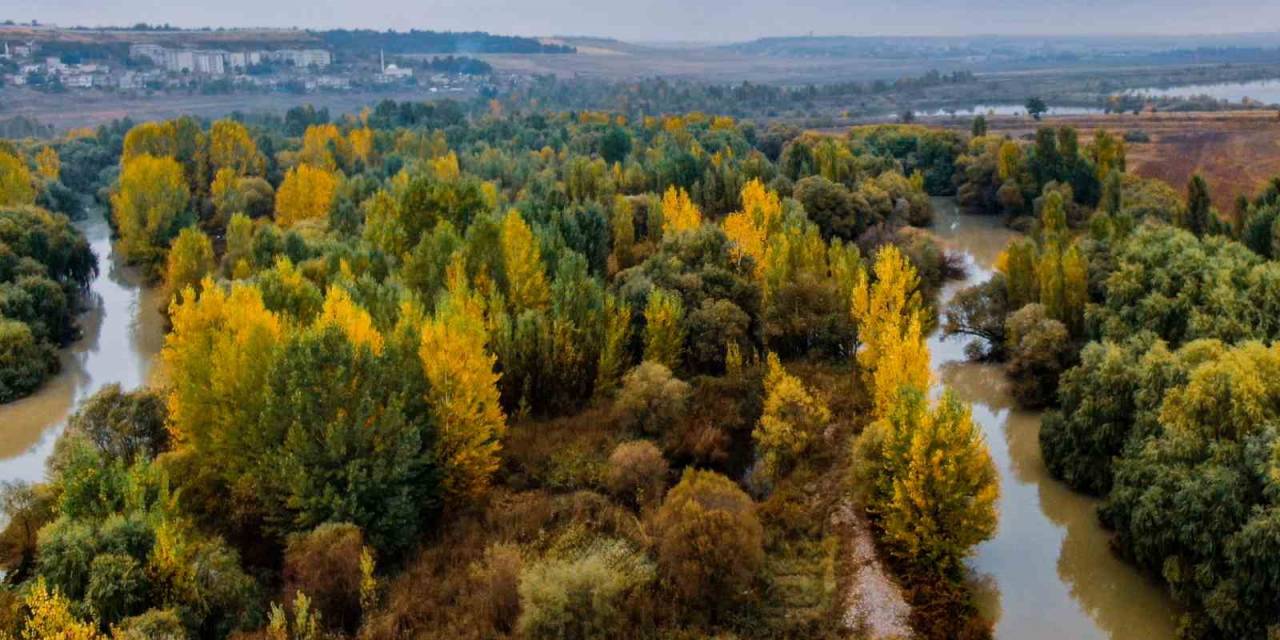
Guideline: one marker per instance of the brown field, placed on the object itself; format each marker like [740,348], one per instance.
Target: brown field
[1236,152]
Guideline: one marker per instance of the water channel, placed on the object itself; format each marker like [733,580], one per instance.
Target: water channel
[122,334]
[1049,573]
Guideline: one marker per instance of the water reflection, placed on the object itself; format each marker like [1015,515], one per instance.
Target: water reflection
[1049,572]
[122,335]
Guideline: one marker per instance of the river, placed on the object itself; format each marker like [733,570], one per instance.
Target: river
[122,334]
[1049,573]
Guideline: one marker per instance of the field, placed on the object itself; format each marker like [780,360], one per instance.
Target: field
[1236,152]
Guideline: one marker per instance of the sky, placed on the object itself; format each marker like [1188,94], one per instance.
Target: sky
[681,20]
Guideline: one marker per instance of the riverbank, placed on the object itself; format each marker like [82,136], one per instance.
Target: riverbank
[1049,573]
[122,335]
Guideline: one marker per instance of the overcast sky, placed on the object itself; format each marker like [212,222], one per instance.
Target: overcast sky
[681,20]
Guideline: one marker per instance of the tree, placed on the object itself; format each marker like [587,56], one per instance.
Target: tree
[791,421]
[585,595]
[887,314]
[325,563]
[664,332]
[190,260]
[1036,107]
[749,229]
[637,472]
[709,544]
[679,214]
[231,147]
[651,401]
[306,194]
[1199,218]
[149,206]
[522,263]
[125,426]
[48,164]
[25,362]
[932,484]
[979,127]
[463,391]
[1039,351]
[16,185]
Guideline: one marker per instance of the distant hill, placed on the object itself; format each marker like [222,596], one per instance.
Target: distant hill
[436,42]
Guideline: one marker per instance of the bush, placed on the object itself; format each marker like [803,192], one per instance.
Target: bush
[117,587]
[710,544]
[124,426]
[587,595]
[651,400]
[24,361]
[637,472]
[324,563]
[156,624]
[1039,351]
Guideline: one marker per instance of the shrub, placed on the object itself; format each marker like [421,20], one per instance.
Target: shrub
[637,472]
[117,587]
[1039,351]
[586,595]
[651,400]
[156,624]
[710,544]
[124,426]
[324,563]
[24,361]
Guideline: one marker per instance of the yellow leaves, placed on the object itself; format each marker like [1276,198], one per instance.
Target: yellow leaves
[522,259]
[151,138]
[318,145]
[51,618]
[888,316]
[151,196]
[933,484]
[190,260]
[214,358]
[722,123]
[48,164]
[791,420]
[231,147]
[679,213]
[463,388]
[16,186]
[361,143]
[306,194]
[1009,162]
[749,229]
[446,167]
[382,226]
[356,323]
[1228,396]
[664,328]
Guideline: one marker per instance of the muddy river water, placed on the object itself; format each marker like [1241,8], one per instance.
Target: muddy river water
[1048,574]
[122,334]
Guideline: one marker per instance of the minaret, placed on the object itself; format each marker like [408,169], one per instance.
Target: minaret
[382,60]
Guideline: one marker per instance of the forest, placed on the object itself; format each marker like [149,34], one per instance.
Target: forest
[438,371]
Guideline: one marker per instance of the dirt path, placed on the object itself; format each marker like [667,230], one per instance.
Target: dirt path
[873,603]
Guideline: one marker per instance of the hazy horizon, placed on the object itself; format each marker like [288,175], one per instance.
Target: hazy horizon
[684,20]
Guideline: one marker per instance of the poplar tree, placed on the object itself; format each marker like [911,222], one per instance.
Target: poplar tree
[664,331]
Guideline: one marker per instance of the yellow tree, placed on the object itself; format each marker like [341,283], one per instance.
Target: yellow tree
[231,147]
[613,347]
[1019,265]
[679,213]
[1075,290]
[190,260]
[236,259]
[158,139]
[48,164]
[382,226]
[148,205]
[214,359]
[522,261]
[932,483]
[664,328]
[887,313]
[319,144]
[50,617]
[16,186]
[306,194]
[361,143]
[792,419]
[463,388]
[446,167]
[342,312]
[749,229]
